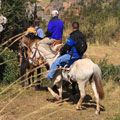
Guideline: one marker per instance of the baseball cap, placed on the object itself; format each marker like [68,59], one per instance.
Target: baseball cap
[54,13]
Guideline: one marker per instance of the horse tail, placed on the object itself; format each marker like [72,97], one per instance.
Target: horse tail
[97,76]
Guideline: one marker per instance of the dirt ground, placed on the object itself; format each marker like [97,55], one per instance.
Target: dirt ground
[28,104]
[33,105]
[111,53]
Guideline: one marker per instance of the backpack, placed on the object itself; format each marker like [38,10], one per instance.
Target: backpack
[81,46]
[80,40]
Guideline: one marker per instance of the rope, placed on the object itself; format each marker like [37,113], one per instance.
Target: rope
[26,80]
[11,39]
[19,79]
[11,44]
[8,61]
[14,98]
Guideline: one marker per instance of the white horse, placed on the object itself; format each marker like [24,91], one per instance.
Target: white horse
[82,71]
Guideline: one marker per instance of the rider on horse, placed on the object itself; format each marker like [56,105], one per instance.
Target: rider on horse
[39,30]
[34,31]
[54,30]
[73,50]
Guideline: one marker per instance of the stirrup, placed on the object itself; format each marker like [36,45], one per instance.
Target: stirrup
[64,68]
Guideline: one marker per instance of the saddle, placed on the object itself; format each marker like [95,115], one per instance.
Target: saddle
[56,46]
[56,42]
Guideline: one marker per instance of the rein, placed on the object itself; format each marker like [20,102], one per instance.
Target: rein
[33,59]
[37,55]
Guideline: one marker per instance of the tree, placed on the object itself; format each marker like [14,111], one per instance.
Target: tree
[15,11]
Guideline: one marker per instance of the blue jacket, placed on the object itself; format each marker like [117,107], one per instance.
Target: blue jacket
[55,27]
[75,46]
[73,51]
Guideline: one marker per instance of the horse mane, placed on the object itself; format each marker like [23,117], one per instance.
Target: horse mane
[28,42]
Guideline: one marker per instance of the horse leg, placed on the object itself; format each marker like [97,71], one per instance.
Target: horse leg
[74,91]
[60,89]
[29,81]
[58,83]
[55,95]
[32,74]
[37,87]
[22,73]
[82,93]
[97,98]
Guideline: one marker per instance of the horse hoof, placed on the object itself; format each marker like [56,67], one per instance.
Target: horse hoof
[97,112]
[59,101]
[78,108]
[58,98]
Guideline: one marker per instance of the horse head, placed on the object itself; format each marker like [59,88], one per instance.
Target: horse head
[26,42]
[34,55]
[44,52]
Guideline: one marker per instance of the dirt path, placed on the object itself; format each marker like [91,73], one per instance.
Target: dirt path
[33,105]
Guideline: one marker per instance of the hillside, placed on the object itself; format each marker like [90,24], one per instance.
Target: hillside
[99,19]
[24,104]
[100,22]
[111,53]
[27,104]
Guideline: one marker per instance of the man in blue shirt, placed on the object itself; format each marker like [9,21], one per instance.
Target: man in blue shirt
[39,31]
[73,50]
[54,29]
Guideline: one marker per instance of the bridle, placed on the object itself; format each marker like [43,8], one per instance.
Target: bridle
[32,54]
[35,60]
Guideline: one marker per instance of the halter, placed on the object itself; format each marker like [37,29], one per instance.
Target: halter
[35,60]
[34,49]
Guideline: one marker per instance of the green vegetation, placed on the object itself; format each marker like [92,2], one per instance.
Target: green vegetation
[110,71]
[117,118]
[18,18]
[100,21]
[9,71]
[15,12]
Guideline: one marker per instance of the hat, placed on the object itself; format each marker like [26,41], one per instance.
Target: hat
[31,30]
[54,13]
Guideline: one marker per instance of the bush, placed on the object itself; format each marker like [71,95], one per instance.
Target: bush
[99,21]
[117,118]
[15,12]
[9,70]
[110,71]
